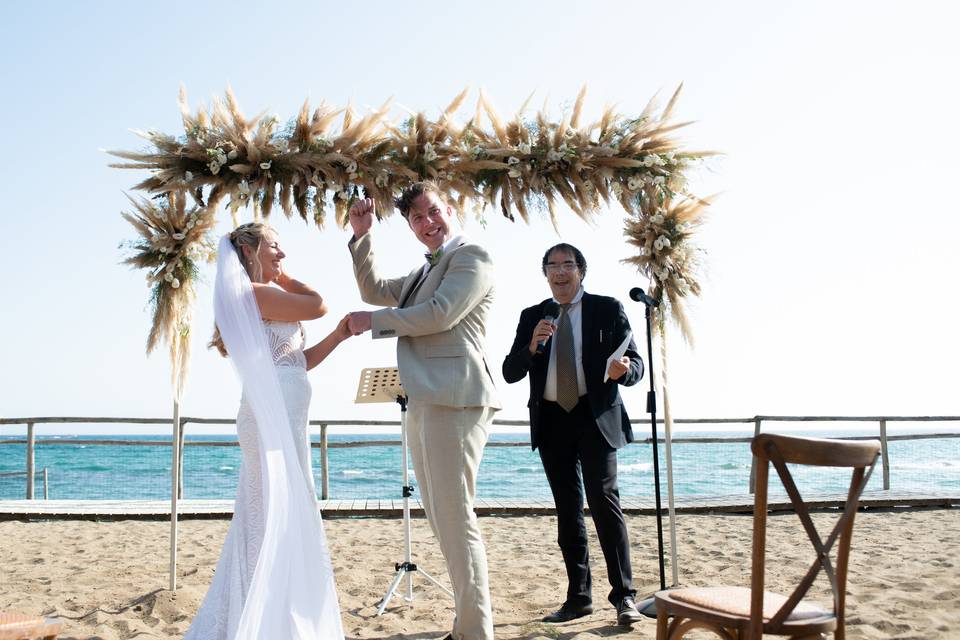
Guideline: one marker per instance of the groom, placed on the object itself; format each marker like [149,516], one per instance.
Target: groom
[438,313]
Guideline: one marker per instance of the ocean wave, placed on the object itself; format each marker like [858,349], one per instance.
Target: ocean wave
[225,467]
[932,465]
[637,466]
[351,472]
[734,465]
[526,470]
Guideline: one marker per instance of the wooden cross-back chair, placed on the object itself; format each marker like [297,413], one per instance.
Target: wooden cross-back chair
[738,613]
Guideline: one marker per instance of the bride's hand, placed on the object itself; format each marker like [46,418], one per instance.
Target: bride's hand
[343,328]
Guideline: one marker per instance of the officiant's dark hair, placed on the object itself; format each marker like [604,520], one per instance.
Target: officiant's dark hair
[414,191]
[563,246]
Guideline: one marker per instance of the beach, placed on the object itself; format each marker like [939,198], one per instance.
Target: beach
[108,579]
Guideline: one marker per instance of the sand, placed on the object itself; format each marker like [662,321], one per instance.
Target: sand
[108,579]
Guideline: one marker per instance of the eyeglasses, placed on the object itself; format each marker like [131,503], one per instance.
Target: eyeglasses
[557,267]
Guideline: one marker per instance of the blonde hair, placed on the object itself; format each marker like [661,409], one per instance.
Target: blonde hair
[250,235]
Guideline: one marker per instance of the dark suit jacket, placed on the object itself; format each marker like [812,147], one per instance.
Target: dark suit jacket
[604,325]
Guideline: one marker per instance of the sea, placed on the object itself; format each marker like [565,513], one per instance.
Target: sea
[130,468]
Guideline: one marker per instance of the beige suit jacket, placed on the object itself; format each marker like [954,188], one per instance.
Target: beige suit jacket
[440,326]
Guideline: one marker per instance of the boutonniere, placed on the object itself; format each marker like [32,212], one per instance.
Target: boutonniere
[433,257]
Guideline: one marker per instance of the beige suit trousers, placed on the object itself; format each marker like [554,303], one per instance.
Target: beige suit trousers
[446,444]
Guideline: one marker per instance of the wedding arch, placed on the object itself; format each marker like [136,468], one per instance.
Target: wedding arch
[317,163]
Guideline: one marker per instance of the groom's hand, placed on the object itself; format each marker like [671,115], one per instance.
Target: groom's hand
[359,321]
[361,216]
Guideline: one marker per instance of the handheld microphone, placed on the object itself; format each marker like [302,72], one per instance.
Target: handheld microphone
[637,295]
[550,312]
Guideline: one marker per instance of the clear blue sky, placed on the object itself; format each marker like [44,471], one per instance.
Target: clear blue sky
[831,255]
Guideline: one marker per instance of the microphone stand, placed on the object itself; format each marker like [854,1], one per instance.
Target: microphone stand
[648,606]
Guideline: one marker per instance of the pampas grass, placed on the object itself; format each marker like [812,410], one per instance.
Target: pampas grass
[519,165]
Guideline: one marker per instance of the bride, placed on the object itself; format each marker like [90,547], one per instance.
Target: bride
[274,578]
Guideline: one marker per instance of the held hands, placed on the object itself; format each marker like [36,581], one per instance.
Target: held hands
[541,333]
[342,331]
[361,216]
[358,321]
[618,368]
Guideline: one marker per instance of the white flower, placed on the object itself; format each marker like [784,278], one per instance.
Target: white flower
[175,283]
[178,236]
[232,155]
[663,274]
[168,277]
[657,219]
[513,160]
[381,180]
[221,156]
[428,152]
[352,167]
[188,176]
[324,141]
[617,189]
[554,156]
[476,151]
[634,183]
[524,148]
[661,243]
[669,155]
[514,173]
[214,167]
[191,224]
[266,165]
[659,180]
[343,195]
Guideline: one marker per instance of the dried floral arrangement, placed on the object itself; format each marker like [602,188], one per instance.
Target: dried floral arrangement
[311,167]
[173,241]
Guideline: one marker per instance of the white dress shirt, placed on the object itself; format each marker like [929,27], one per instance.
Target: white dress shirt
[575,317]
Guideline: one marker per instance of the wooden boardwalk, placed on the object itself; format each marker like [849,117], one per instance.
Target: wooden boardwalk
[387,508]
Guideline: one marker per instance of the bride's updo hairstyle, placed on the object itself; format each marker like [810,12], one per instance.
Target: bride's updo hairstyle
[246,235]
[250,235]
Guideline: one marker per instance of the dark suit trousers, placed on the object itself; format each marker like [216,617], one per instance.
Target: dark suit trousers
[578,460]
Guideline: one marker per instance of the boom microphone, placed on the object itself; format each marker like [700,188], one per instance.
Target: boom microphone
[550,312]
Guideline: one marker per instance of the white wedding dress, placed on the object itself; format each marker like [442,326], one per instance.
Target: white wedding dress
[219,617]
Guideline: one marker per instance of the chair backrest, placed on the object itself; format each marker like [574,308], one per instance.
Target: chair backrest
[860,456]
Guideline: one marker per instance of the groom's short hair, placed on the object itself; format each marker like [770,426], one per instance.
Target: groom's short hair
[414,191]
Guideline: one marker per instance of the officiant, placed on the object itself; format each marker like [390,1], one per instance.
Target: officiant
[578,349]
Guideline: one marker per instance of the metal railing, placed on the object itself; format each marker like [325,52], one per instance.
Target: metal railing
[324,445]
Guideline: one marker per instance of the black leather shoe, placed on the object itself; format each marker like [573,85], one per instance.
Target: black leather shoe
[569,612]
[627,613]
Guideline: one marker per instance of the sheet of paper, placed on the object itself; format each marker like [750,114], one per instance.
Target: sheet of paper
[617,354]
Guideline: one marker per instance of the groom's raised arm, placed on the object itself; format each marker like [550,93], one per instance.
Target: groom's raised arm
[374,289]
[383,292]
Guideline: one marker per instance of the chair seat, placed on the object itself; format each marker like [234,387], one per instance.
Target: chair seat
[735,601]
[16,626]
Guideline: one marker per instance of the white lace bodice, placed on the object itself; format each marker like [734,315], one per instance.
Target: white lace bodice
[286,341]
